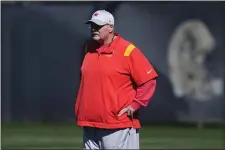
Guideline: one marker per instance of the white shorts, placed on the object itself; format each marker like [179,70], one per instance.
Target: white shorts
[95,138]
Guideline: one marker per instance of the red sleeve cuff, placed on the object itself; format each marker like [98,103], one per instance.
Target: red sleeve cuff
[135,105]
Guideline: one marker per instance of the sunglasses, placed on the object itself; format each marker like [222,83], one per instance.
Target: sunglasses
[95,26]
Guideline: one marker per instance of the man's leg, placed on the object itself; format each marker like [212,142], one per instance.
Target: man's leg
[90,140]
[119,138]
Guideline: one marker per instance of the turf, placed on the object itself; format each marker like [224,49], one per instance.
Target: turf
[69,136]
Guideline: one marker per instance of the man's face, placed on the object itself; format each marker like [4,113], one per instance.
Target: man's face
[100,32]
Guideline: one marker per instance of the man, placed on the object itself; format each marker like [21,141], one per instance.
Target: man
[116,80]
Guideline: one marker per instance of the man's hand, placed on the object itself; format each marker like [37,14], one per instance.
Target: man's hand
[129,110]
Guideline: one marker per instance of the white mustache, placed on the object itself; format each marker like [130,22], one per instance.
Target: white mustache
[94,33]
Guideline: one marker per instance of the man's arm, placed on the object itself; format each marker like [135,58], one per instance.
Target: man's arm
[143,75]
[144,94]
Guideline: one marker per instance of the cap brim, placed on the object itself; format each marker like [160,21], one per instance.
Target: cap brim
[100,23]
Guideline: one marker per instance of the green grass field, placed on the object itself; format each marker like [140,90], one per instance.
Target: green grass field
[70,136]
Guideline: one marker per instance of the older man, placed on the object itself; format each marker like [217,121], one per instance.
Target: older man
[116,80]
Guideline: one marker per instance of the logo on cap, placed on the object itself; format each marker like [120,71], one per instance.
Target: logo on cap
[96,14]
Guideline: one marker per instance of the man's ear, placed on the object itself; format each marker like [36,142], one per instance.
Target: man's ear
[111,27]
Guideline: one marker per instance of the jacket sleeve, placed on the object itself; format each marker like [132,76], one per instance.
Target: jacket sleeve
[144,94]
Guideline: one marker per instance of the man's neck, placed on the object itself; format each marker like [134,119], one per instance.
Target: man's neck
[108,40]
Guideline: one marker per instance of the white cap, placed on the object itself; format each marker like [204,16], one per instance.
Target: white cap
[101,17]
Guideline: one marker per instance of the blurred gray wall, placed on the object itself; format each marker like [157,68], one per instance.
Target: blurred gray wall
[42,50]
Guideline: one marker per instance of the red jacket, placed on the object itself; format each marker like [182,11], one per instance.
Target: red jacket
[109,76]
